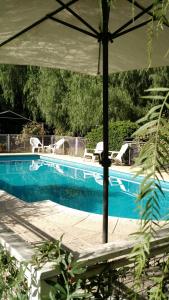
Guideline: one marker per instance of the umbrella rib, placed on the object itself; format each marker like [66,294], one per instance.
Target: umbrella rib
[133,19]
[73,27]
[148,12]
[130,29]
[78,17]
[36,23]
[99,56]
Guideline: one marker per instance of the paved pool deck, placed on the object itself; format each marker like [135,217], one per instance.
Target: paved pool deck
[45,220]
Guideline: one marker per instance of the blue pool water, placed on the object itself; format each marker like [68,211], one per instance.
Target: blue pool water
[35,178]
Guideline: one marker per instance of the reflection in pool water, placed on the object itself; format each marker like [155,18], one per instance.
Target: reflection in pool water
[75,186]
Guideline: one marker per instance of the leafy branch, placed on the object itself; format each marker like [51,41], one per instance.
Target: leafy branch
[13,285]
[158,21]
[72,281]
[67,285]
[153,161]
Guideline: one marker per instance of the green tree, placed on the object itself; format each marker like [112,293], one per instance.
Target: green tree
[120,104]
[160,77]
[31,92]
[72,102]
[12,81]
[135,82]
[84,103]
[51,97]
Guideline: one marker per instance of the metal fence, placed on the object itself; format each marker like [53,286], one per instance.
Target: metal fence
[15,143]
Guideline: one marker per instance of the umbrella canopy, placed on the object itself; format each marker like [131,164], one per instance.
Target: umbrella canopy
[82,35]
[49,40]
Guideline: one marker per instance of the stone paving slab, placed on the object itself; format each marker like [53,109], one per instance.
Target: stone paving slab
[46,220]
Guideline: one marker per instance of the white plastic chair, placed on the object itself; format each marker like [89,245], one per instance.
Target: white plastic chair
[117,156]
[53,147]
[98,151]
[99,147]
[92,153]
[36,144]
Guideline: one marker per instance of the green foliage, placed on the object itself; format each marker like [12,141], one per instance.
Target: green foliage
[31,92]
[67,286]
[84,103]
[159,291]
[159,19]
[153,160]
[160,77]
[2,147]
[118,132]
[32,128]
[53,87]
[72,103]
[134,82]
[12,81]
[120,104]
[103,285]
[13,285]
[72,281]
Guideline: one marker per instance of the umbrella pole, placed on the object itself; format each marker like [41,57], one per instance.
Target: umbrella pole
[105,162]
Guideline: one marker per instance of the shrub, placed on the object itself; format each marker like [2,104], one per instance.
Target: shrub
[13,284]
[2,148]
[32,128]
[118,132]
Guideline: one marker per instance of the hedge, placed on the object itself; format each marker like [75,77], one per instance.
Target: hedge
[118,132]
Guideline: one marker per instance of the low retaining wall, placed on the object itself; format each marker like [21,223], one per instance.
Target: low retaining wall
[113,255]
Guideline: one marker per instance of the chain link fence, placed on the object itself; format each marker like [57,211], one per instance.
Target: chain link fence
[15,143]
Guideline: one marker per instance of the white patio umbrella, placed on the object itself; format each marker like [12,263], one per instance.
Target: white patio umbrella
[82,35]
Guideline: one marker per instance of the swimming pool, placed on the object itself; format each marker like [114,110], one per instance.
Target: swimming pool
[37,178]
